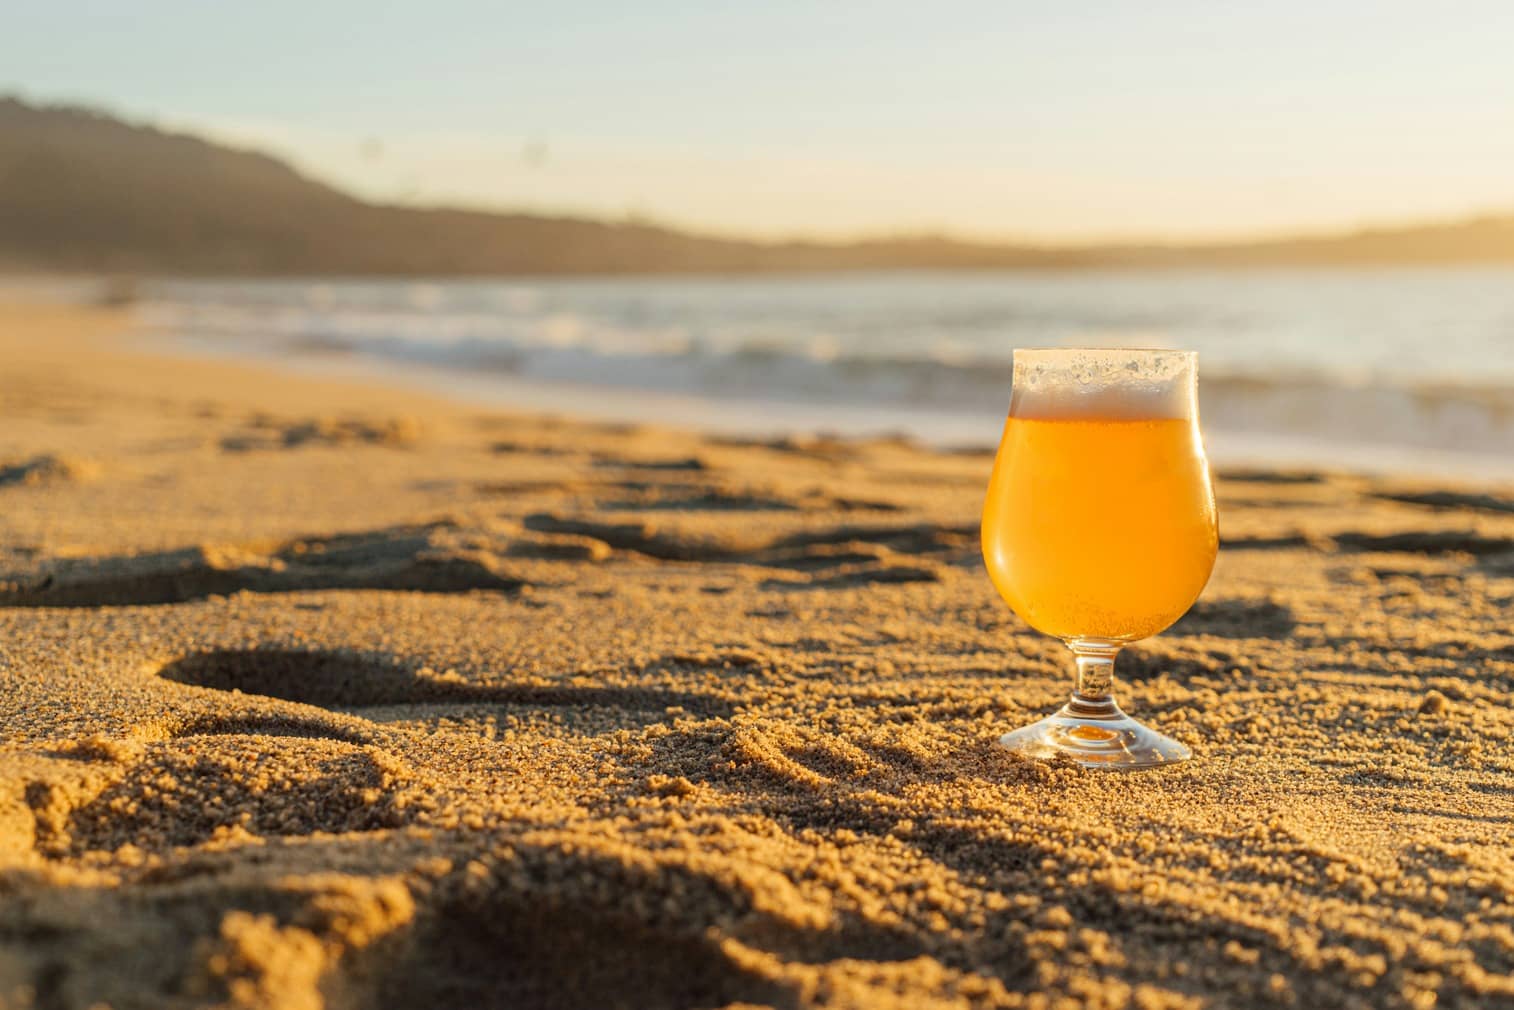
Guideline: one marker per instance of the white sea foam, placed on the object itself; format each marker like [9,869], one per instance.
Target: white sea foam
[1105,383]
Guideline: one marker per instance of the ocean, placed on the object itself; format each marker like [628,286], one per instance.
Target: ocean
[1406,370]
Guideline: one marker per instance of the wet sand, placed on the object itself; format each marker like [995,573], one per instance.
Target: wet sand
[325,695]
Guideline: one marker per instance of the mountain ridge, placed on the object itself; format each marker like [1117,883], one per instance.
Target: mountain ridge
[82,190]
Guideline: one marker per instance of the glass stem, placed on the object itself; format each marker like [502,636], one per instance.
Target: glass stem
[1094,694]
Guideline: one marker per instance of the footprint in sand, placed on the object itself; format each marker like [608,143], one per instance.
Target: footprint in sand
[589,948]
[220,774]
[834,557]
[1449,500]
[421,558]
[48,470]
[264,432]
[184,793]
[382,690]
[1236,618]
[1426,542]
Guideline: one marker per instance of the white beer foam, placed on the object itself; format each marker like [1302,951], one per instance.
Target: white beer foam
[1123,384]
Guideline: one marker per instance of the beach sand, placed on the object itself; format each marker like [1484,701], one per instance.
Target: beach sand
[322,694]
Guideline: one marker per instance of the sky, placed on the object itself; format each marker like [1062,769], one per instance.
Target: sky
[1054,121]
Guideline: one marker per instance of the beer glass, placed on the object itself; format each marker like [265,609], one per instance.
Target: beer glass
[1100,529]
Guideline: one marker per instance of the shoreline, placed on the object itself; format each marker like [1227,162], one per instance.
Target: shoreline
[335,693]
[766,418]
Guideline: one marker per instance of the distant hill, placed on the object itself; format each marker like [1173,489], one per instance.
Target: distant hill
[84,191]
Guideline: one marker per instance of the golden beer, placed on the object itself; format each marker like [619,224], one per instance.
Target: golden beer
[1099,527]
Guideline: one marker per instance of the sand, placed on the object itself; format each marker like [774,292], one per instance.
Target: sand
[326,695]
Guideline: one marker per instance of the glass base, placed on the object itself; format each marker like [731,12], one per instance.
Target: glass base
[1096,734]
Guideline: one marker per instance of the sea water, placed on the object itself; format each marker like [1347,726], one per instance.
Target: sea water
[1390,369]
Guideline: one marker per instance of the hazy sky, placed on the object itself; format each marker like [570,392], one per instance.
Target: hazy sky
[1054,120]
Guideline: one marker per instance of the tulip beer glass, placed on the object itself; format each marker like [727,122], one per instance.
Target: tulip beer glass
[1100,528]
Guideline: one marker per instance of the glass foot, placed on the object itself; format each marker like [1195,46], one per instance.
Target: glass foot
[1096,735]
